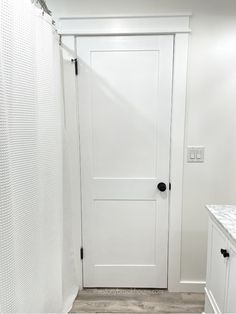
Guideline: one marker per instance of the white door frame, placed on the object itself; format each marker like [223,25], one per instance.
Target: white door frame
[177,25]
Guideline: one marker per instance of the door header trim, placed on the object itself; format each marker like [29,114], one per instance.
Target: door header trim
[125,25]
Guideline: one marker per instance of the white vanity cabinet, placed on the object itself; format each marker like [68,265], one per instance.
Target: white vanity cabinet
[221,265]
[230,301]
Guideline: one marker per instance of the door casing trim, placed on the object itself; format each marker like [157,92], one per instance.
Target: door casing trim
[125,25]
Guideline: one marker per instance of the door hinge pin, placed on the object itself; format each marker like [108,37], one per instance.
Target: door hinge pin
[75,61]
[81,253]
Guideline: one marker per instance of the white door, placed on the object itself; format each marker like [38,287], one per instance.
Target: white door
[125,87]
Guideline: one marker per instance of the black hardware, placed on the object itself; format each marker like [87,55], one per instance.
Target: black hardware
[75,61]
[225,253]
[44,6]
[81,253]
[161,186]
[170,186]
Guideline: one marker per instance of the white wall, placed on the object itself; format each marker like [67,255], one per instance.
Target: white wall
[211,108]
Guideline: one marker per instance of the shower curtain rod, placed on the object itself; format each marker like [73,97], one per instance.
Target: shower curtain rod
[44,6]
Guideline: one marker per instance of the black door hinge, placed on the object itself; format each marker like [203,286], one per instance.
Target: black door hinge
[81,253]
[170,186]
[75,61]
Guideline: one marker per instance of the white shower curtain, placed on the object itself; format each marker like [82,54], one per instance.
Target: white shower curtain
[31,162]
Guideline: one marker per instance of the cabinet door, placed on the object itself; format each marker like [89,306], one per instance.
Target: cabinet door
[217,267]
[231,283]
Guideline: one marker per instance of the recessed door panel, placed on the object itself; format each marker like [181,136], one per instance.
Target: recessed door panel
[122,227]
[124,115]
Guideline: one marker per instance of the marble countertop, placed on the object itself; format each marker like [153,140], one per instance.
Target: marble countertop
[225,215]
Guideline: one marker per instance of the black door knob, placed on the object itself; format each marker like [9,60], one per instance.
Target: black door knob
[161,186]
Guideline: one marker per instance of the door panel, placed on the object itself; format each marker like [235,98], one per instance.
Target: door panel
[122,225]
[125,86]
[114,102]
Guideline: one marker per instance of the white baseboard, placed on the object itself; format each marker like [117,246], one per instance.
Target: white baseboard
[188,286]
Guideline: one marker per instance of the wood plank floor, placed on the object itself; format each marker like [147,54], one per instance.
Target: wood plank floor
[128,301]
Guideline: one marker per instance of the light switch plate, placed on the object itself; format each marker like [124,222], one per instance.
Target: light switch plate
[196,154]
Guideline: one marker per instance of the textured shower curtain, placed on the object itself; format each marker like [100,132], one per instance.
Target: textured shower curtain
[31,162]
